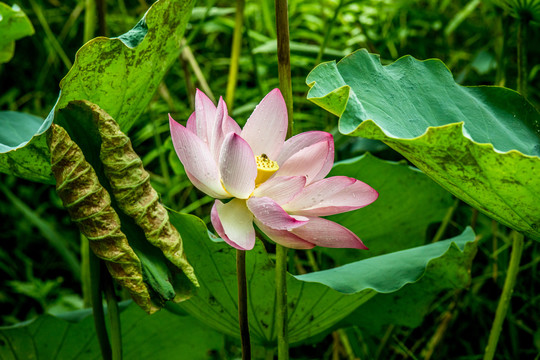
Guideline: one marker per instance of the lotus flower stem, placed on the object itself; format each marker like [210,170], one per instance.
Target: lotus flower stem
[114,318]
[504,301]
[235,52]
[285,85]
[281,291]
[243,304]
[97,308]
[284,59]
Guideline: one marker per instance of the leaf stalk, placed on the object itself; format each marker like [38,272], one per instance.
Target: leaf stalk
[281,292]
[97,308]
[114,318]
[506,296]
[284,59]
[243,304]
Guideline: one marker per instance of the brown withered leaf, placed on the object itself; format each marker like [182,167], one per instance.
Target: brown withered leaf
[89,206]
[134,194]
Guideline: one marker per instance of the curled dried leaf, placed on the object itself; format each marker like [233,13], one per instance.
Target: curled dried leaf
[135,196]
[89,206]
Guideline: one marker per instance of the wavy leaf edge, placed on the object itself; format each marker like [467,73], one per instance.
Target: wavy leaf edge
[344,91]
[469,238]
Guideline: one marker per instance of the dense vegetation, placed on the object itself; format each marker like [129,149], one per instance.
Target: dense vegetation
[40,254]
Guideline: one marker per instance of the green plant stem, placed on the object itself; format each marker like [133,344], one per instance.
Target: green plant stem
[101,6]
[501,45]
[284,59]
[89,20]
[281,292]
[522,57]
[446,221]
[114,317]
[86,279]
[285,84]
[97,308]
[235,53]
[344,338]
[188,55]
[243,304]
[504,301]
[50,36]
[269,354]
[328,32]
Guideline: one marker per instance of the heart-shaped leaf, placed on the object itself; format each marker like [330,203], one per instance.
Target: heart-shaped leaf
[317,301]
[72,336]
[480,143]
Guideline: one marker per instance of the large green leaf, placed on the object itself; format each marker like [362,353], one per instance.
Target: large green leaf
[23,151]
[409,306]
[72,336]
[121,74]
[14,24]
[480,143]
[317,301]
[397,220]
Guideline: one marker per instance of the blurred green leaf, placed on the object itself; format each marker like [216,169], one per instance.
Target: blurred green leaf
[14,24]
[72,336]
[397,220]
[122,74]
[480,143]
[317,301]
[23,149]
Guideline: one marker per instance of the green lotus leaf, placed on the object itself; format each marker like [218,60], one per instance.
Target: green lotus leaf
[73,336]
[23,147]
[317,301]
[121,74]
[409,306]
[480,143]
[14,24]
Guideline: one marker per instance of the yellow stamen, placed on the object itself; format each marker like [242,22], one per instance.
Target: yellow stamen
[265,168]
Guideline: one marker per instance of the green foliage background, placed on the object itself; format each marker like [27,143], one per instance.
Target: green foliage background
[40,246]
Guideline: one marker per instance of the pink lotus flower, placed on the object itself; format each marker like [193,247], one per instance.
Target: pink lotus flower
[278,185]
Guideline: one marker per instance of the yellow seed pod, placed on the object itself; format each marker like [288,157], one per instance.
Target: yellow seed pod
[135,196]
[89,206]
